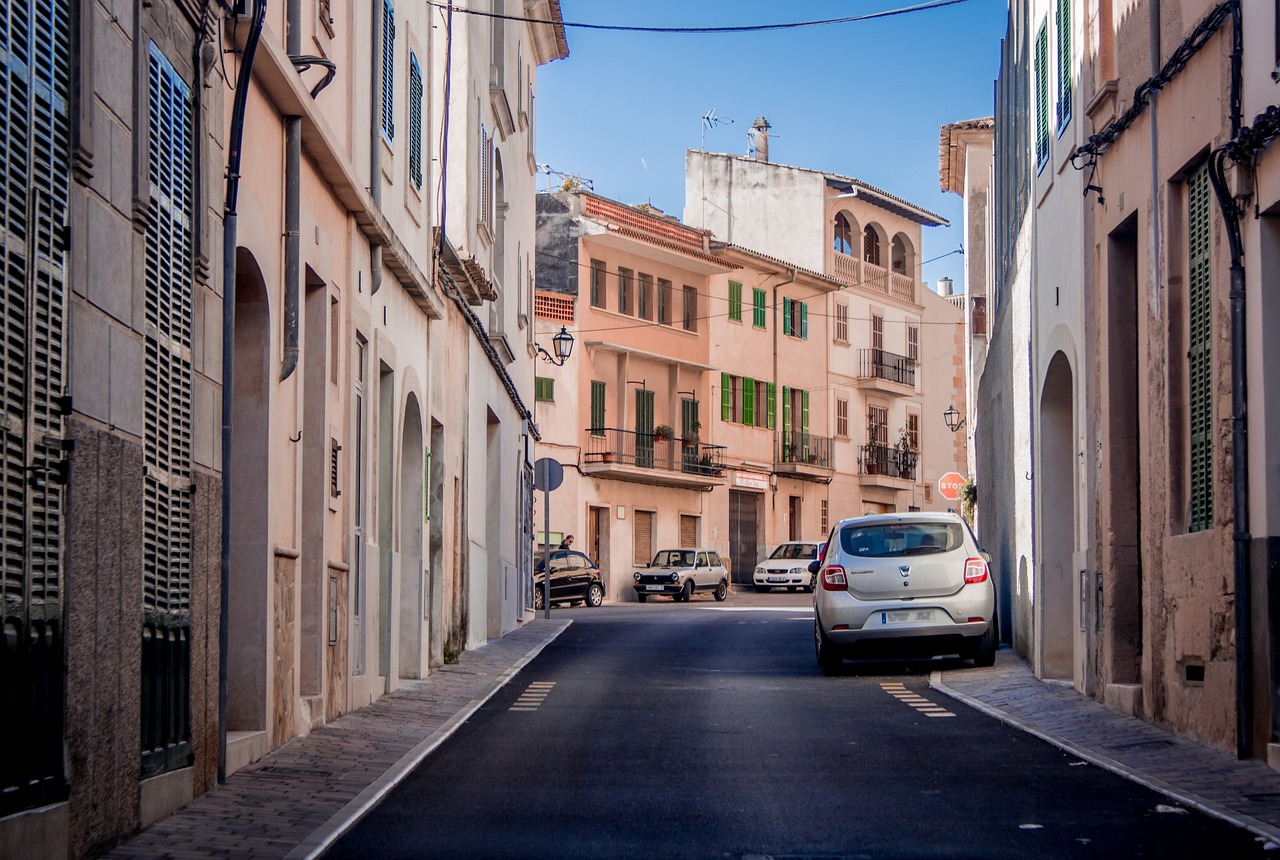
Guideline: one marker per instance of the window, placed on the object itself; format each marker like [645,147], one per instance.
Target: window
[877,331]
[642,545]
[690,309]
[624,290]
[497,68]
[795,318]
[1064,64]
[388,70]
[842,416]
[795,410]
[735,301]
[913,431]
[744,400]
[843,241]
[544,388]
[415,122]
[757,308]
[826,516]
[597,284]
[877,425]
[664,302]
[842,322]
[1199,352]
[486,177]
[1042,95]
[597,407]
[871,245]
[913,343]
[644,297]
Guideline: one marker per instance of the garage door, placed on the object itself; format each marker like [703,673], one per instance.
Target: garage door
[744,523]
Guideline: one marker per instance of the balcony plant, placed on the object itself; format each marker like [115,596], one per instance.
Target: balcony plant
[663,431]
[905,455]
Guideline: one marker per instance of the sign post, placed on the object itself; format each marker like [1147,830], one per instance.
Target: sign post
[548,475]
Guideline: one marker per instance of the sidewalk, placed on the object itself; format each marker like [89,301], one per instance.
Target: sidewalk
[301,797]
[1245,793]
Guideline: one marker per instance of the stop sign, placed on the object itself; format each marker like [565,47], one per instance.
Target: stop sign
[949,486]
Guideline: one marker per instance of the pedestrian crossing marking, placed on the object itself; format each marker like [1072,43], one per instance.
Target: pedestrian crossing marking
[899,691]
[533,696]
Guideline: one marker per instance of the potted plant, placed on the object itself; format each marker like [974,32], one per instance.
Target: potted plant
[691,434]
[905,456]
[606,456]
[663,431]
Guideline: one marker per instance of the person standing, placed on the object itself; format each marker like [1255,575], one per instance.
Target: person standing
[567,543]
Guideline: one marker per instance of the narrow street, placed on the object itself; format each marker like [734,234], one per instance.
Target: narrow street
[706,730]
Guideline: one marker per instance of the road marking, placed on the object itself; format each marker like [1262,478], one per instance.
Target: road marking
[754,609]
[533,696]
[899,691]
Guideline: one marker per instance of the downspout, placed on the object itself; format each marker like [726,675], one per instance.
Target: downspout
[292,206]
[235,140]
[777,389]
[375,147]
[1239,395]
[1157,246]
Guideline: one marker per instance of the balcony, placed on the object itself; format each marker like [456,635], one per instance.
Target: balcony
[886,371]
[803,455]
[884,465]
[646,458]
[873,278]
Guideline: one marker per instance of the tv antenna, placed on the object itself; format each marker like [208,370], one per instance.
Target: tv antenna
[711,120]
[568,181]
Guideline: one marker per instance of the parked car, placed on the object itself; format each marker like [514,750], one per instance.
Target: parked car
[683,572]
[574,579]
[788,567]
[914,584]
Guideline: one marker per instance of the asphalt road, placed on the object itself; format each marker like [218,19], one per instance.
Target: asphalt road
[707,730]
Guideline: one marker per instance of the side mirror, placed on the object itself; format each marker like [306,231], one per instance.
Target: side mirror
[986,556]
[813,566]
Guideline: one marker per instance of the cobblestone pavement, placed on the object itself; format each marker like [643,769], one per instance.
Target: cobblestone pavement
[299,798]
[1246,793]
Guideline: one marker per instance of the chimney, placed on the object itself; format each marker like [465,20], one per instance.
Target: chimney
[945,287]
[759,135]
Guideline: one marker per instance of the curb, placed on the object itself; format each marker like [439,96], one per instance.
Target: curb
[316,844]
[1195,801]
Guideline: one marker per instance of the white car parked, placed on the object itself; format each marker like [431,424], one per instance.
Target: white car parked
[788,567]
[681,572]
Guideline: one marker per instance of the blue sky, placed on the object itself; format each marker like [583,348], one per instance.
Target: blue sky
[863,99]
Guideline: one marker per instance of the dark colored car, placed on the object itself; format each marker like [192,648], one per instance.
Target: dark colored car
[574,579]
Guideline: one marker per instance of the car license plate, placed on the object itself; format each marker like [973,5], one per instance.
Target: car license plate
[653,588]
[777,579]
[906,616]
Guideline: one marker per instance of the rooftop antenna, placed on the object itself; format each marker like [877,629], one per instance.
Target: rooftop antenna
[710,120]
[571,179]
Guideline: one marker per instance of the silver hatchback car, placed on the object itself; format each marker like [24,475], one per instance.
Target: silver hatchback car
[905,584]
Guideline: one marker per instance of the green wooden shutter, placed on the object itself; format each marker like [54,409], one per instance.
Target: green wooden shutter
[1200,371]
[388,69]
[786,408]
[786,315]
[544,388]
[804,412]
[644,428]
[735,301]
[804,321]
[757,307]
[748,400]
[597,407]
[1064,63]
[771,392]
[1042,95]
[726,398]
[415,121]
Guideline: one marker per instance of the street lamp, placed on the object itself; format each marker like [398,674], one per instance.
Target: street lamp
[953,419]
[562,343]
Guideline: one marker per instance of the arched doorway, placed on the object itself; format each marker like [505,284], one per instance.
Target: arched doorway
[1056,522]
[248,612]
[412,516]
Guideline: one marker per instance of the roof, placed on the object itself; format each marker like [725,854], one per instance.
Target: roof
[834,282]
[866,191]
[950,154]
[547,26]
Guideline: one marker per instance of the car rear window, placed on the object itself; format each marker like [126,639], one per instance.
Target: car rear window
[889,540]
[796,550]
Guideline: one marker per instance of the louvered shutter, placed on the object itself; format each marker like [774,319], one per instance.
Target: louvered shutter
[597,407]
[786,315]
[642,552]
[804,412]
[804,321]
[34,164]
[688,530]
[167,437]
[388,69]
[415,121]
[644,428]
[735,301]
[771,392]
[726,398]
[1042,95]
[786,408]
[1200,371]
[748,401]
[1064,62]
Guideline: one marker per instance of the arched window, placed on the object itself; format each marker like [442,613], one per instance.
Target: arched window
[843,235]
[871,245]
[900,255]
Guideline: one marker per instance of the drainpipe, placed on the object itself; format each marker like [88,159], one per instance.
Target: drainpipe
[1239,429]
[234,151]
[1157,245]
[292,206]
[777,389]
[375,148]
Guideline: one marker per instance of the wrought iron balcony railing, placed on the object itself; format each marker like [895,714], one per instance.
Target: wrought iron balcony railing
[889,460]
[651,451]
[882,364]
[798,447]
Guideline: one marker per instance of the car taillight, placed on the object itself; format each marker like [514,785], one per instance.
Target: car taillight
[975,570]
[833,578]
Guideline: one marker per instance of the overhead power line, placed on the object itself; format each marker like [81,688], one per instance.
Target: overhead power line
[743,28]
